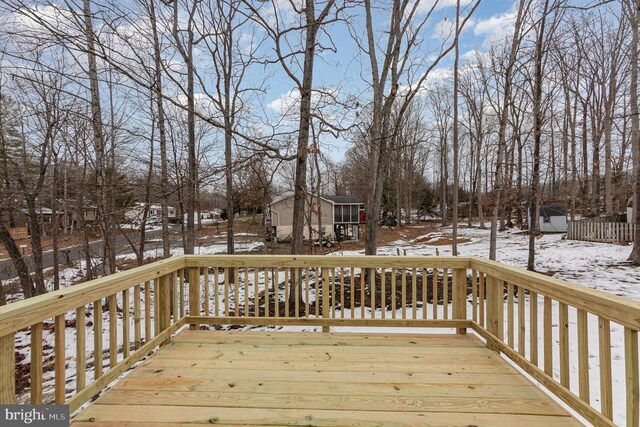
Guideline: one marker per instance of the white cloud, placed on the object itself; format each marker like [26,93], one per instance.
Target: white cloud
[496,28]
[442,4]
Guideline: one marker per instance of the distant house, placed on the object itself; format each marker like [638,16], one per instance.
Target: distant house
[341,216]
[553,219]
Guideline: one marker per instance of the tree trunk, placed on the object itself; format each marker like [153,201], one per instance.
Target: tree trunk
[633,14]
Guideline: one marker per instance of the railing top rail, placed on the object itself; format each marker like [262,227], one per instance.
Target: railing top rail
[613,307]
[21,314]
[359,261]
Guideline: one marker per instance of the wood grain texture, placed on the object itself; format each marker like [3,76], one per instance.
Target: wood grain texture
[264,378]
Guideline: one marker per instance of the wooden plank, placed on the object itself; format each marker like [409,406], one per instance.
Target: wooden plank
[632,377]
[245,289]
[495,309]
[583,356]
[333,299]
[604,348]
[207,297]
[272,321]
[35,371]
[137,331]
[194,293]
[307,281]
[362,293]
[286,292]
[297,282]
[300,387]
[162,303]
[81,351]
[138,414]
[23,314]
[372,290]
[548,337]
[226,292]
[329,402]
[174,297]
[8,369]
[434,295]
[60,359]
[216,290]
[564,345]
[113,330]
[424,293]
[276,291]
[97,339]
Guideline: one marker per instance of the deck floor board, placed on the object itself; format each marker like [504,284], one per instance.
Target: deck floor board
[258,378]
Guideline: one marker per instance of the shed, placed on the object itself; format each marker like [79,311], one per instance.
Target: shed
[553,219]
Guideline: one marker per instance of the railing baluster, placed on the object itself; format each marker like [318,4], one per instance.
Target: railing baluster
[81,362]
[297,282]
[307,291]
[286,292]
[113,331]
[521,322]
[60,359]
[362,292]
[510,320]
[481,292]
[256,293]
[216,292]
[275,274]
[267,312]
[35,380]
[372,290]
[383,291]
[533,327]
[425,299]
[162,304]
[245,291]
[564,345]
[137,335]
[97,339]
[434,292]
[332,274]
[147,311]
[445,293]
[236,290]
[194,293]
[226,292]
[414,294]
[174,295]
[404,292]
[394,306]
[155,308]
[474,296]
[548,337]
[459,277]
[342,292]
[583,355]
[632,376]
[8,366]
[352,293]
[604,349]
[126,339]
[325,296]
[317,298]
[207,292]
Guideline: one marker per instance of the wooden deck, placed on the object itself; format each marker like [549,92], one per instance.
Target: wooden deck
[291,378]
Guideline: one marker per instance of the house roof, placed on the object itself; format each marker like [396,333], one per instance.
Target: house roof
[553,210]
[343,199]
[331,199]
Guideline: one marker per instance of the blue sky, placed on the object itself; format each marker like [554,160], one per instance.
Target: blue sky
[490,24]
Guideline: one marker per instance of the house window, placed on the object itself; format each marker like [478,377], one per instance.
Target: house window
[354,213]
[337,213]
[546,219]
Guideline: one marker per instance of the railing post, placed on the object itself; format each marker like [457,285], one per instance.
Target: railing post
[326,297]
[460,296]
[495,309]
[7,369]
[194,294]
[163,305]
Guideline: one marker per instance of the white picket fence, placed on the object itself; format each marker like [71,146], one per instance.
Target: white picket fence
[603,232]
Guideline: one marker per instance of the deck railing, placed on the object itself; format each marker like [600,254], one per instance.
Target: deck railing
[539,323]
[593,230]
